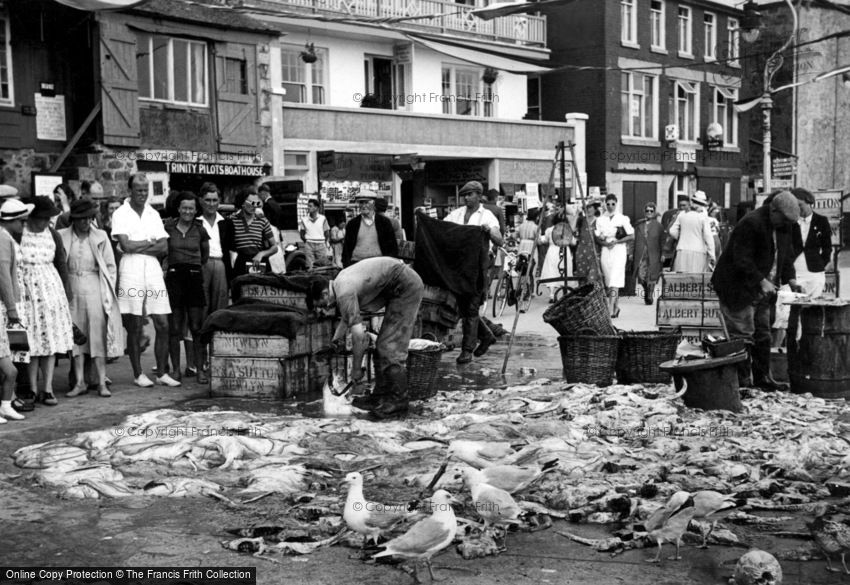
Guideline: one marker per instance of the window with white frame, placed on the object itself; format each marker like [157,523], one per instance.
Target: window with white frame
[628,22]
[685,32]
[304,82]
[465,94]
[171,69]
[725,114]
[710,34]
[733,39]
[639,105]
[686,110]
[7,93]
[656,20]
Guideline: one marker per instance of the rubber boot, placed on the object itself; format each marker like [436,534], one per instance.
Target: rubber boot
[396,401]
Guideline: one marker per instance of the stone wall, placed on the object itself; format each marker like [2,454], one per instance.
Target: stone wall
[17,167]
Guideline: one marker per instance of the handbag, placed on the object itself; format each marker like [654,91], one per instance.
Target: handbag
[80,338]
[18,339]
[621,233]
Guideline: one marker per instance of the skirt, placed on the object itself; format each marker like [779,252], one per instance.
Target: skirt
[690,261]
[613,261]
[5,352]
[88,313]
[185,284]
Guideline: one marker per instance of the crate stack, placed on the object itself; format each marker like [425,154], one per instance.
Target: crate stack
[272,366]
[438,318]
[828,204]
[688,301]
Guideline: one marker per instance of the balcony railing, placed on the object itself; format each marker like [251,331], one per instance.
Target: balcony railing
[450,17]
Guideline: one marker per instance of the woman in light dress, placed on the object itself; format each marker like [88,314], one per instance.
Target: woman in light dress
[613,231]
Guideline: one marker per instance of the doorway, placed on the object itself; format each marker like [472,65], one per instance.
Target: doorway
[636,194]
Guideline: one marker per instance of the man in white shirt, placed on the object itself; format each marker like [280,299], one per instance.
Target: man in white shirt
[812,239]
[473,213]
[138,229]
[215,279]
[315,233]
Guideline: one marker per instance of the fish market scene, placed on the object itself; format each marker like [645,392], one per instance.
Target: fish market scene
[410,291]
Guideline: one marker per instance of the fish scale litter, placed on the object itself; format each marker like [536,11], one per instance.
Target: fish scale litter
[610,443]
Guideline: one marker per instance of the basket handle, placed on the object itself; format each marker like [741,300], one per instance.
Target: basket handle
[584,330]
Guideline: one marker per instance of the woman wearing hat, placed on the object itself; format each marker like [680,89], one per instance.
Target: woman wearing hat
[12,214]
[45,297]
[692,230]
[92,275]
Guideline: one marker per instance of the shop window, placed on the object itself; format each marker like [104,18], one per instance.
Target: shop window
[304,82]
[235,76]
[7,96]
[171,69]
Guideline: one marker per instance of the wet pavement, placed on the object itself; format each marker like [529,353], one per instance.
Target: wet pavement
[41,530]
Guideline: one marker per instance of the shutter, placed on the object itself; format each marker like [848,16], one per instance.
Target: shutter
[236,112]
[119,83]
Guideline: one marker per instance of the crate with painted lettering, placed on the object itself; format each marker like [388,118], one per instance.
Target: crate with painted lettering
[687,285]
[230,344]
[687,313]
[830,287]
[695,335]
[247,377]
[278,296]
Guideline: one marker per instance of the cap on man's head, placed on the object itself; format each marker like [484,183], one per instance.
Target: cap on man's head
[683,197]
[472,187]
[787,204]
[803,195]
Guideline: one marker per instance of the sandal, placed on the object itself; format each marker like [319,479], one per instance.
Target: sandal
[23,405]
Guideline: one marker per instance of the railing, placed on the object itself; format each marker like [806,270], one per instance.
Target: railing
[449,17]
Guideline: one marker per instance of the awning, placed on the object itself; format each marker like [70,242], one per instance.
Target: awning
[479,57]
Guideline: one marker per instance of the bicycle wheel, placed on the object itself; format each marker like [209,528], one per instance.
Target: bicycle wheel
[500,297]
[524,293]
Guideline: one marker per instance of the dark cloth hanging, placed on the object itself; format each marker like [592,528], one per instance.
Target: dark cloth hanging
[587,259]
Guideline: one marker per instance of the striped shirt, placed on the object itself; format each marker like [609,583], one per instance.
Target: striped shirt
[250,239]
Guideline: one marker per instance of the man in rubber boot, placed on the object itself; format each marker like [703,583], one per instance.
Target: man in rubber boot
[758,258]
[371,285]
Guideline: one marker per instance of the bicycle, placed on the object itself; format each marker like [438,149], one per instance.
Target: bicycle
[515,285]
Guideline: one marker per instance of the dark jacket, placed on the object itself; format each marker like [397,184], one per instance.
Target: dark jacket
[748,258]
[386,237]
[818,246]
[649,246]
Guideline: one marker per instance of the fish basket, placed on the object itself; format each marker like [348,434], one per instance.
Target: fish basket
[422,372]
[641,352]
[582,308]
[589,359]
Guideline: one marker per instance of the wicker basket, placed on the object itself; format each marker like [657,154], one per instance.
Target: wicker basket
[422,372]
[589,359]
[642,351]
[582,308]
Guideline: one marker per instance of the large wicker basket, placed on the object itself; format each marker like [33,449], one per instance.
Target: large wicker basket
[582,308]
[589,359]
[422,372]
[642,351]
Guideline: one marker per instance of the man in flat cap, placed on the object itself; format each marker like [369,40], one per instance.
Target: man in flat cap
[369,235]
[758,258]
[473,213]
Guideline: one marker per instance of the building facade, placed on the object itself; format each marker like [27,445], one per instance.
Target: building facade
[658,79]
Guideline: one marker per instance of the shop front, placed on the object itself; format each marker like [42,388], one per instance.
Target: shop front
[342,176]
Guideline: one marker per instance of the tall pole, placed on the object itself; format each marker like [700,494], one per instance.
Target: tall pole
[562,162]
[773,64]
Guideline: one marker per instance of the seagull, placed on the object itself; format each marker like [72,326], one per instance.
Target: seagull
[670,522]
[368,518]
[708,503]
[480,454]
[427,537]
[495,506]
[831,532]
[512,478]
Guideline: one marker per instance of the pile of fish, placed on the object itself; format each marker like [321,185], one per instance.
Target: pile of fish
[621,452]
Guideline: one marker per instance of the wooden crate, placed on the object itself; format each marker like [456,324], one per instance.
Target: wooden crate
[687,313]
[314,336]
[247,377]
[830,289]
[687,285]
[278,296]
[227,344]
[695,335]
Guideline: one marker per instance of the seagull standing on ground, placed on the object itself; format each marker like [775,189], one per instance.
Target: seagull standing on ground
[708,503]
[370,519]
[831,533]
[427,537]
[670,522]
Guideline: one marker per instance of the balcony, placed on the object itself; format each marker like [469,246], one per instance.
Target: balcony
[450,18]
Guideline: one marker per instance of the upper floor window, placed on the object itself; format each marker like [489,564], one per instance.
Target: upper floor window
[656,19]
[304,82]
[733,38]
[7,94]
[639,102]
[710,31]
[686,111]
[465,94]
[725,114]
[172,69]
[628,22]
[685,32]
[385,83]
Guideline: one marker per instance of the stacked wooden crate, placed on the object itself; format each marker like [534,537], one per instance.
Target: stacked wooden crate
[263,366]
[438,316]
[688,301]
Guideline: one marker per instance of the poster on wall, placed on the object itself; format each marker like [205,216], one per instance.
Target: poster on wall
[45,183]
[344,192]
[50,117]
